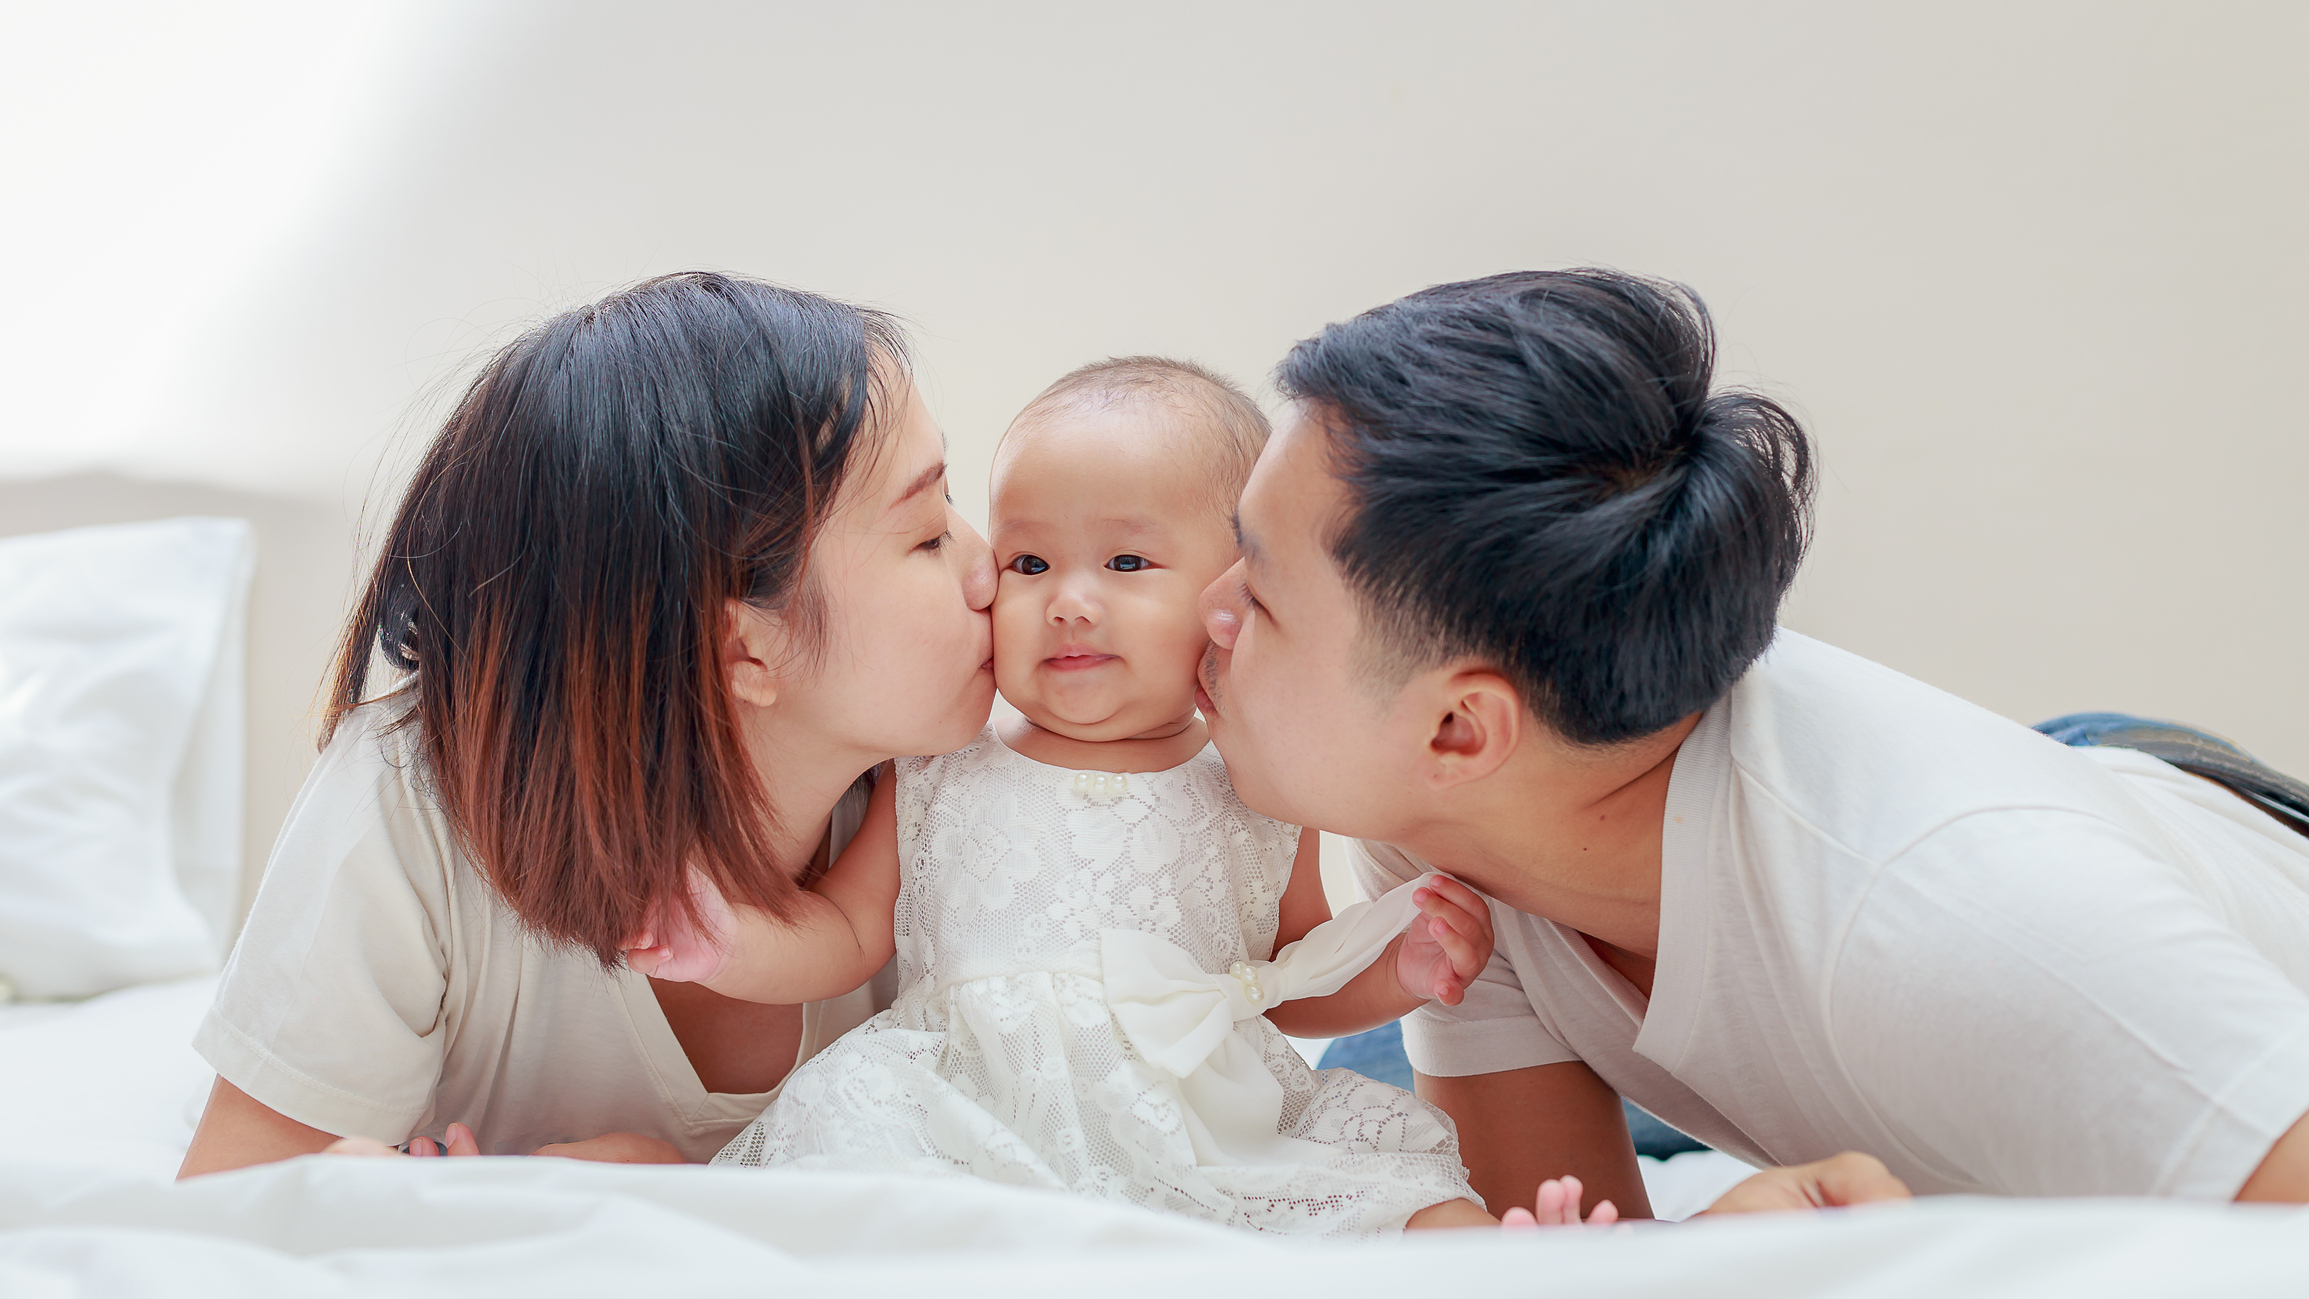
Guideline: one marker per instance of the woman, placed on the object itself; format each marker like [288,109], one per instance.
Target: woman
[679,569]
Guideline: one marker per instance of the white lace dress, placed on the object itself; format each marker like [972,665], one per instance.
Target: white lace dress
[1059,932]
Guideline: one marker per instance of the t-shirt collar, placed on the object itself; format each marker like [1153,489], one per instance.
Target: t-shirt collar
[1696,790]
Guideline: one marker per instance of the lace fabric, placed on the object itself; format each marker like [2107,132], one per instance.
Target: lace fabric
[1001,1057]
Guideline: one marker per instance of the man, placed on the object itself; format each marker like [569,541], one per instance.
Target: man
[1507,605]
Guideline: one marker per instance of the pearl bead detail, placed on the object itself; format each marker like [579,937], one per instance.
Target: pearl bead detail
[1244,975]
[1101,785]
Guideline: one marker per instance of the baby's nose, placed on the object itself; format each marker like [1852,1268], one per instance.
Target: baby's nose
[1074,601]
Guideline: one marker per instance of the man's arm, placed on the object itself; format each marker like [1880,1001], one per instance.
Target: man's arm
[1520,1127]
[2283,1177]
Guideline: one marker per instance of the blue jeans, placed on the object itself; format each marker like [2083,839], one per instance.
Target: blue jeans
[2200,753]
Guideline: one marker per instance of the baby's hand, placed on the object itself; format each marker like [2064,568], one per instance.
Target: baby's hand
[1448,945]
[1558,1206]
[674,950]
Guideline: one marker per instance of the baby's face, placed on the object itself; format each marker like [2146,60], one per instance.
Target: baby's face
[1104,534]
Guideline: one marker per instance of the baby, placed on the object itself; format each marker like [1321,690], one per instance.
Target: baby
[1082,909]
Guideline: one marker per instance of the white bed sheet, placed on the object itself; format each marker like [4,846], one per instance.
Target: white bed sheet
[499,1227]
[103,1096]
[110,1083]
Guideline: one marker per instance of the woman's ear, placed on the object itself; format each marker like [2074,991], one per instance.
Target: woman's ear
[753,642]
[1481,725]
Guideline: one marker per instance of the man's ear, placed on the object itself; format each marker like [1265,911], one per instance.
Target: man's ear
[1478,728]
[753,644]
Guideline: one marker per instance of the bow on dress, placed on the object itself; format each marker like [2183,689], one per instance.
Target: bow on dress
[1182,1019]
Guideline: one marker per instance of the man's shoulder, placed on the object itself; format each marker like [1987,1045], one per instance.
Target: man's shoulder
[1827,748]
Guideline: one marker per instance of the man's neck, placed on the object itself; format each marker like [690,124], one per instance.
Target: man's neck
[1570,835]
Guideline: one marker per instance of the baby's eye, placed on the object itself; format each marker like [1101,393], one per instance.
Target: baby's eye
[1128,563]
[1028,565]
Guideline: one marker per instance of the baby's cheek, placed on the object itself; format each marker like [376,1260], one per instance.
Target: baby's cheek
[1016,620]
[1184,643]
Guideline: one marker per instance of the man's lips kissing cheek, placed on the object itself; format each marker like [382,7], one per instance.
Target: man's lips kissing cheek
[1207,684]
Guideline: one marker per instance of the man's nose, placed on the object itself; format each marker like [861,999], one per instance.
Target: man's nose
[1222,613]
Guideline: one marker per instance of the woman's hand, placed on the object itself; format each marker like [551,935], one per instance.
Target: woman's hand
[1448,945]
[1846,1179]
[675,950]
[615,1148]
[609,1148]
[461,1142]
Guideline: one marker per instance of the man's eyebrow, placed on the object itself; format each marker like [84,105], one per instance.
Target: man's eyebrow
[920,484]
[1247,544]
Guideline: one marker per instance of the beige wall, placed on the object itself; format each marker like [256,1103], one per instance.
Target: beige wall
[2032,273]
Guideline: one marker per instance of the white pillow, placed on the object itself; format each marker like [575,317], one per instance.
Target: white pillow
[122,738]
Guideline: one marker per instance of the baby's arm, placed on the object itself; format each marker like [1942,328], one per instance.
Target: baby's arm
[1435,959]
[838,937]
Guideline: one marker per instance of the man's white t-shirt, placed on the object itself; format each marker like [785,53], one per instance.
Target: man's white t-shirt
[382,988]
[1893,922]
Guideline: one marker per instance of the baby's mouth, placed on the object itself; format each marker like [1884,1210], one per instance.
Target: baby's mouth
[1078,661]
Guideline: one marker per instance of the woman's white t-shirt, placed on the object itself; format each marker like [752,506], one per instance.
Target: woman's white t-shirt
[382,988]
[1893,922]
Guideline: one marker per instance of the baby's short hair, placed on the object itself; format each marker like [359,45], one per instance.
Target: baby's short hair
[1227,426]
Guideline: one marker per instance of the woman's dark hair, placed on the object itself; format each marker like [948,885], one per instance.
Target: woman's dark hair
[555,585]
[1539,477]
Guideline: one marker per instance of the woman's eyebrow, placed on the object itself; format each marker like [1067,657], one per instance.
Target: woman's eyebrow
[920,484]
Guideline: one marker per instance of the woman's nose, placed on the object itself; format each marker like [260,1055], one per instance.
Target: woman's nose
[976,558]
[1222,612]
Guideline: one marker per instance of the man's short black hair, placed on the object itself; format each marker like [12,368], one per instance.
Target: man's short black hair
[1539,478]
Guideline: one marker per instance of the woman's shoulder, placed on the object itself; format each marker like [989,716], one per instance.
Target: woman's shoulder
[382,731]
[367,806]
